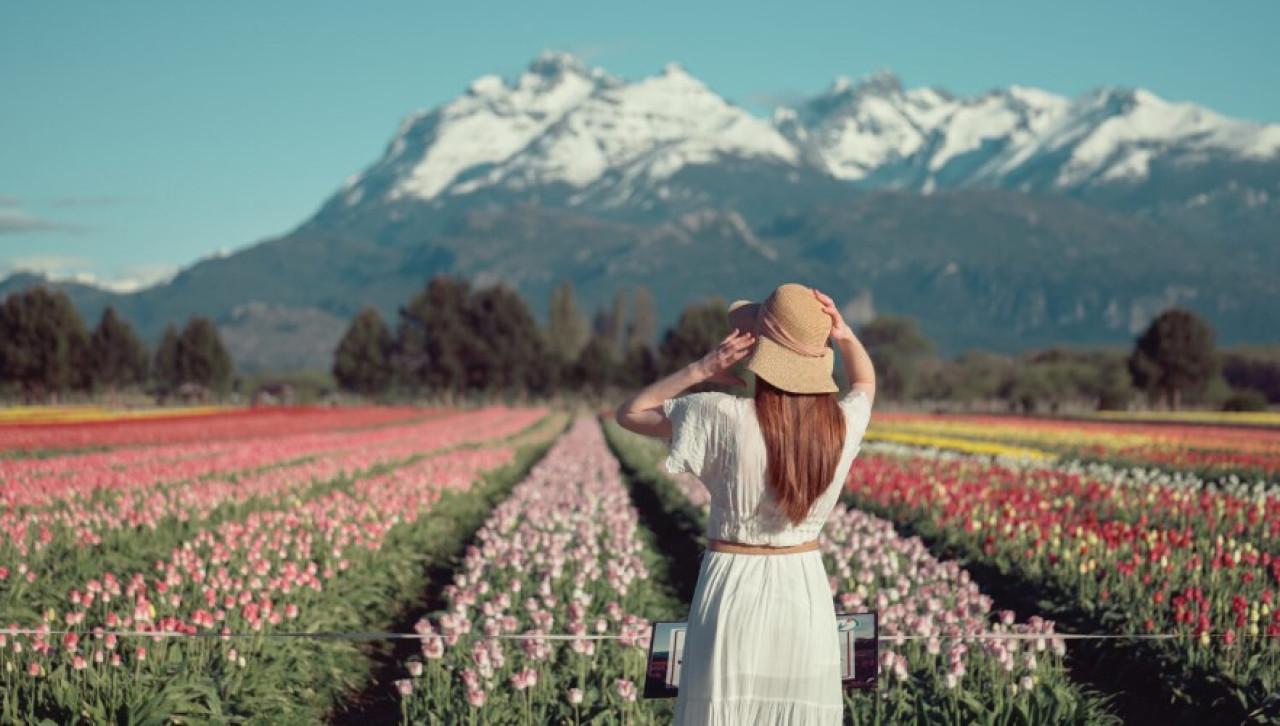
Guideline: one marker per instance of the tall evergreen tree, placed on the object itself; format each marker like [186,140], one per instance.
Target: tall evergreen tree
[639,367]
[506,348]
[44,346]
[644,321]
[596,366]
[611,324]
[432,337]
[567,329]
[202,358]
[119,357]
[361,362]
[700,328]
[164,364]
[1175,354]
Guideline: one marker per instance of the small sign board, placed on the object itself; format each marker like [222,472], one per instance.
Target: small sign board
[856,634]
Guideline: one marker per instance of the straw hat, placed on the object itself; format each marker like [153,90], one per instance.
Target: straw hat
[791,332]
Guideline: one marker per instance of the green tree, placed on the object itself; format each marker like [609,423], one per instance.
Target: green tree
[164,364]
[973,377]
[202,358]
[611,324]
[567,328]
[44,346]
[700,328]
[1254,369]
[596,366]
[1174,355]
[432,337]
[119,357]
[362,361]
[896,346]
[507,348]
[644,321]
[639,367]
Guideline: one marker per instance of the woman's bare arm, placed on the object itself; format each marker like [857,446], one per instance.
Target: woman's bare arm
[857,364]
[642,413]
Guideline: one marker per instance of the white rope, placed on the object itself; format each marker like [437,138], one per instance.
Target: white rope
[569,636]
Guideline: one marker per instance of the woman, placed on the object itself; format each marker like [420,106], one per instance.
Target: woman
[761,645]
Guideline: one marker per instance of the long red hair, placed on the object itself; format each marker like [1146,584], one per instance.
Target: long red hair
[803,437]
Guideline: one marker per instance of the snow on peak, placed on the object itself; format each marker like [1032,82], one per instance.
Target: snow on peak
[562,122]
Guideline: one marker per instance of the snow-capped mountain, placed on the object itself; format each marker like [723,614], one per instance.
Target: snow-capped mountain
[562,124]
[603,142]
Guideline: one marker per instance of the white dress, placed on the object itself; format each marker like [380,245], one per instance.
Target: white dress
[761,645]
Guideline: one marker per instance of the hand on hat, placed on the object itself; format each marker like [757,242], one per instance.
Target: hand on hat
[717,365]
[839,329]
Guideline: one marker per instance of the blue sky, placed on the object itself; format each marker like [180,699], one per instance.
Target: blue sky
[137,137]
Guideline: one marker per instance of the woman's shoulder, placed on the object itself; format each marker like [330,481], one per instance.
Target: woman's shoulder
[857,411]
[708,407]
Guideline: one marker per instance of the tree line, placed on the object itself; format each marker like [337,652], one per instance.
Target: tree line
[47,351]
[454,339]
[1174,361]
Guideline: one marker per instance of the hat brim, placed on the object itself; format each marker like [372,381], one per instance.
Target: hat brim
[790,371]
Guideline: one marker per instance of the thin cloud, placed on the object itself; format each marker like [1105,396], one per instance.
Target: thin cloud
[8,201]
[80,202]
[14,220]
[47,264]
[83,270]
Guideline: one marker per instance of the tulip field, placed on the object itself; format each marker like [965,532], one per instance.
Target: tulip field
[246,565]
[1207,450]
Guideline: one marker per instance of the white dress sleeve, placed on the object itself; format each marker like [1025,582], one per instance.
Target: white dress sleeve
[691,418]
[857,414]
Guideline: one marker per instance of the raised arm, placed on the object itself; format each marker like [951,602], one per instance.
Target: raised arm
[857,364]
[642,413]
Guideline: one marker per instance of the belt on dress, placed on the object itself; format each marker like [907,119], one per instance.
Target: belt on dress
[738,548]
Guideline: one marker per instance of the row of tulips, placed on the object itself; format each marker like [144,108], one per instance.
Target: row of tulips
[1214,451]
[27,483]
[326,564]
[1135,556]
[563,555]
[188,425]
[39,547]
[955,659]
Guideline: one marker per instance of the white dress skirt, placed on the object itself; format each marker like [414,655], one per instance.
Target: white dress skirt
[761,646]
